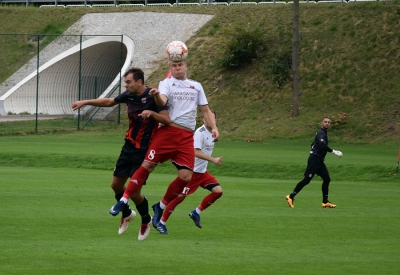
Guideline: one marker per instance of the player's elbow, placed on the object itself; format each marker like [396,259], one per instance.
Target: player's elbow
[168,121]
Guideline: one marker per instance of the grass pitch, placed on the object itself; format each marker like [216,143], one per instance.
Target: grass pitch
[58,223]
[55,220]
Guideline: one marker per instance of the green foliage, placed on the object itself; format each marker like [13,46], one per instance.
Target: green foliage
[352,68]
[52,28]
[214,29]
[244,44]
[279,62]
[17,46]
[50,32]
[280,68]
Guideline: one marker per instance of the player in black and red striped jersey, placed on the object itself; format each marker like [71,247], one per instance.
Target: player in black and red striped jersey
[174,142]
[144,116]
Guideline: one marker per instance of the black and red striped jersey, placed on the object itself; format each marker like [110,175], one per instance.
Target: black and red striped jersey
[140,130]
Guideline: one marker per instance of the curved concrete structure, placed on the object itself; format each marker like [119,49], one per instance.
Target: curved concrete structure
[99,64]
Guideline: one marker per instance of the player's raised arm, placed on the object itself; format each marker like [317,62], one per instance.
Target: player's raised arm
[160,99]
[162,116]
[99,102]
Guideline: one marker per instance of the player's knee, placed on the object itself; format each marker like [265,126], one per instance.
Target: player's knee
[137,198]
[306,180]
[180,198]
[185,176]
[117,187]
[217,189]
[149,166]
[327,180]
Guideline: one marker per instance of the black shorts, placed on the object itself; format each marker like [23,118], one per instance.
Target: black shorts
[316,166]
[129,160]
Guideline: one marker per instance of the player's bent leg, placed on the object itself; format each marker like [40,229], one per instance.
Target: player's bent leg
[149,166]
[325,185]
[118,184]
[171,207]
[185,174]
[137,197]
[209,200]
[136,181]
[174,189]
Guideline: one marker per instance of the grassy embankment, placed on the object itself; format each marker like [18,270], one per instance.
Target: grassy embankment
[348,65]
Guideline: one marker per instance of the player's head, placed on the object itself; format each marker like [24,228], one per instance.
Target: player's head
[325,123]
[137,74]
[178,69]
[134,81]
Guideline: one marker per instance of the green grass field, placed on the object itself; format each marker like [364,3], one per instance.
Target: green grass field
[55,197]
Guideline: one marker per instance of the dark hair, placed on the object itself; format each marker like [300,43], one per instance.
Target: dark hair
[136,74]
[324,118]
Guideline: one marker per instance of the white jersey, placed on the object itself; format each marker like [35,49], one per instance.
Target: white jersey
[204,141]
[184,96]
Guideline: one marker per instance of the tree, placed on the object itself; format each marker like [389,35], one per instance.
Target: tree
[295,57]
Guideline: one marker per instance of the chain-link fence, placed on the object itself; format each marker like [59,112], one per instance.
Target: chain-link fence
[63,69]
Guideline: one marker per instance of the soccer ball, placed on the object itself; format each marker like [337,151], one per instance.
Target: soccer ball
[177,51]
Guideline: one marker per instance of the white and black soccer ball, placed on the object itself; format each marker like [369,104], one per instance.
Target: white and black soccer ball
[177,51]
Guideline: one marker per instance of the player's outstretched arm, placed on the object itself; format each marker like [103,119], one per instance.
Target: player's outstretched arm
[337,153]
[99,102]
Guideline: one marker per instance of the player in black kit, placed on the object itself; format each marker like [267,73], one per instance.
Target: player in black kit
[144,115]
[316,165]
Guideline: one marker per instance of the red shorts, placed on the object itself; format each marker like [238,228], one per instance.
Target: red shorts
[198,179]
[172,143]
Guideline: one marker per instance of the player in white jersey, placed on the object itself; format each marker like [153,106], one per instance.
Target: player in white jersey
[183,98]
[173,141]
[204,145]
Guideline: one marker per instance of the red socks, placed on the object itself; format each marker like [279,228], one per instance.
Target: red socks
[136,182]
[174,189]
[171,207]
[208,200]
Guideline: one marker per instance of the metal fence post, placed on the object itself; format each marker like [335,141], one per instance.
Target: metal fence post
[120,77]
[37,82]
[80,79]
